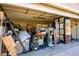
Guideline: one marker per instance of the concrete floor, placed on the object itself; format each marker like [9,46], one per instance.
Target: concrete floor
[70,52]
[71,49]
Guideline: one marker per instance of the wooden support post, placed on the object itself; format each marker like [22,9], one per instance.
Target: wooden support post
[1,24]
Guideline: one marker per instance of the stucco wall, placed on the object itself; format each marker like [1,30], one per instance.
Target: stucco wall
[75,29]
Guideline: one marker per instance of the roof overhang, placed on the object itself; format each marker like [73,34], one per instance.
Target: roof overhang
[51,8]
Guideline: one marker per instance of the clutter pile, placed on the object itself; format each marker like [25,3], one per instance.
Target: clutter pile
[17,40]
[14,39]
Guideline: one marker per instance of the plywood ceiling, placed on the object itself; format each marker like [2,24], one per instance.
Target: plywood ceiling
[20,13]
[71,5]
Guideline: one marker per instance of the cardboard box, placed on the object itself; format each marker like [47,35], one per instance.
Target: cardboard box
[19,47]
[10,45]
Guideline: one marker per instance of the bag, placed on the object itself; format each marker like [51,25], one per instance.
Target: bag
[40,42]
[50,41]
[34,45]
[50,44]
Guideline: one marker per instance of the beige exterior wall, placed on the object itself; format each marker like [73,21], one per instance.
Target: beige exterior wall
[75,29]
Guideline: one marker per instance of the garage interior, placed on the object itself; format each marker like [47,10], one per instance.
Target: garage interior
[64,22]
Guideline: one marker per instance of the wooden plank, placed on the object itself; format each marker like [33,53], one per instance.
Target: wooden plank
[0,46]
[10,45]
[1,21]
[1,15]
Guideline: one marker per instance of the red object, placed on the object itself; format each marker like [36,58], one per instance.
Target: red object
[39,34]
